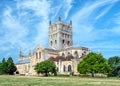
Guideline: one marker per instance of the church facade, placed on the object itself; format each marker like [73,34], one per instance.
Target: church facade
[60,50]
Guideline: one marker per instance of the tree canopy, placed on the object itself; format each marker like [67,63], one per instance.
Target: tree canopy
[45,67]
[93,63]
[114,62]
[7,67]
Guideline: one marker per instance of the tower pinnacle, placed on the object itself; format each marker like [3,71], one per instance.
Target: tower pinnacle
[59,18]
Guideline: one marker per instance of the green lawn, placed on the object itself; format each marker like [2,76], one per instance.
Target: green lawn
[56,81]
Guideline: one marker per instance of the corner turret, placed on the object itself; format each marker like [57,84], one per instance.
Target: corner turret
[59,18]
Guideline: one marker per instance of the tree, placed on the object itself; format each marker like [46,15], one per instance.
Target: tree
[114,62]
[45,67]
[93,63]
[3,66]
[7,67]
[1,72]
[11,67]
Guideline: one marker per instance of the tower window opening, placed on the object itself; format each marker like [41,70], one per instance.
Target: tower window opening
[76,54]
[69,68]
[63,41]
[68,53]
[51,43]
[68,43]
[55,41]
[68,36]
[39,55]
[36,55]
[63,54]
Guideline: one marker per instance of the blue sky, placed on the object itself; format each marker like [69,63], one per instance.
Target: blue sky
[24,24]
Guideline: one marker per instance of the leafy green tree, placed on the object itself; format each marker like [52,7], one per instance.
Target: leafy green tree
[93,63]
[7,67]
[45,67]
[114,62]
[11,67]
[1,72]
[4,64]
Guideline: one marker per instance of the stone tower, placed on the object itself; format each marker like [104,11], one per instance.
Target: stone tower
[60,34]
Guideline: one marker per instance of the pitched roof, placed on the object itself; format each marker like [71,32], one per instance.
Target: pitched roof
[57,58]
[67,58]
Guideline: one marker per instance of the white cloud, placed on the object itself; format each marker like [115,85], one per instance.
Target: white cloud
[40,8]
[33,15]
[55,11]
[68,6]
[116,19]
[42,33]
[116,30]
[14,30]
[89,8]
[17,31]
[85,33]
[104,11]
[62,9]
[84,26]
[94,37]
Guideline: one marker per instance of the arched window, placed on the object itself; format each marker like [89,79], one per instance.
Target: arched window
[64,68]
[69,68]
[76,54]
[55,41]
[63,54]
[51,43]
[63,41]
[39,55]
[57,69]
[36,55]
[68,36]
[68,43]
[68,53]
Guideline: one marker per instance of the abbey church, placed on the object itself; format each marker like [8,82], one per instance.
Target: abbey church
[60,50]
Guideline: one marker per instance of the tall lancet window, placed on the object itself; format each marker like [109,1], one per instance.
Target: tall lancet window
[39,55]
[55,42]
[69,68]
[64,68]
[36,55]
[51,43]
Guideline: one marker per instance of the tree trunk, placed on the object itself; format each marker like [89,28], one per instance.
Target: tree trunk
[92,74]
[46,74]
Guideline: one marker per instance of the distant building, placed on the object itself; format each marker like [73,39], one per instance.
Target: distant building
[60,50]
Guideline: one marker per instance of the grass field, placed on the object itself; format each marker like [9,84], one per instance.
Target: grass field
[6,80]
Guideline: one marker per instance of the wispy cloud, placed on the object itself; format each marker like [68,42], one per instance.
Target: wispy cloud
[24,23]
[89,9]
[14,30]
[62,9]
[84,26]
[104,11]
[68,7]
[116,19]
[19,27]
[42,10]
[83,20]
